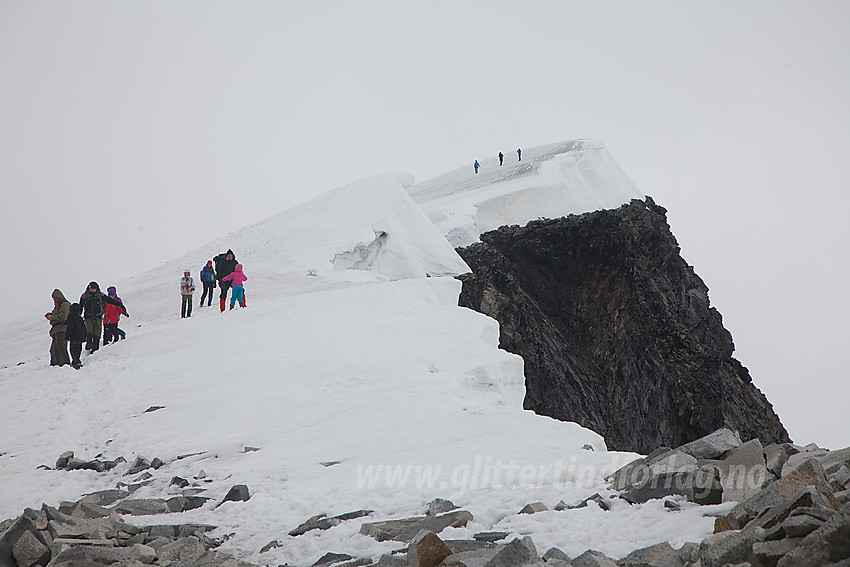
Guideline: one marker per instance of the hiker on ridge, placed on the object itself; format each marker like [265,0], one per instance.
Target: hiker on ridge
[208,279]
[58,319]
[225,264]
[236,279]
[76,334]
[187,288]
[92,301]
[111,315]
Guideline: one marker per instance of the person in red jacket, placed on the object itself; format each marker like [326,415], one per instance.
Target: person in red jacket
[111,314]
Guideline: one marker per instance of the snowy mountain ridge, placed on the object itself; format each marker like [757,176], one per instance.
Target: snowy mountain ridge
[353,371]
[549,182]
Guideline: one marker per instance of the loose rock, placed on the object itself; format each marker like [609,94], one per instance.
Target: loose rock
[593,558]
[518,552]
[426,549]
[658,555]
[237,493]
[533,508]
[407,528]
[440,506]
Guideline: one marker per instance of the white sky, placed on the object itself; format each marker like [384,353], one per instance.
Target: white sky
[160,126]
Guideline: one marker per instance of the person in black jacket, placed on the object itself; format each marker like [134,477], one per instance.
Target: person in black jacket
[91,302]
[225,264]
[75,334]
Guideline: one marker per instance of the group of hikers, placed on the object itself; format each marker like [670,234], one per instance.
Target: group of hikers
[229,275]
[477,165]
[94,316]
[97,313]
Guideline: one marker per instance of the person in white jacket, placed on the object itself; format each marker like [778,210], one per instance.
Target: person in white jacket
[187,288]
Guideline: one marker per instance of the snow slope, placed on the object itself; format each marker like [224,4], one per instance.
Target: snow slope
[353,371]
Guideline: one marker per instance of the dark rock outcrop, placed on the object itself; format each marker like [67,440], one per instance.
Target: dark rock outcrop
[615,329]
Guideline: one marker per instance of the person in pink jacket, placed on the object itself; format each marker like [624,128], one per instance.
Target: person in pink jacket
[237,278]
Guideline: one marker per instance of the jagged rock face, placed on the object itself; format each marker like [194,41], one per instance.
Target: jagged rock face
[615,329]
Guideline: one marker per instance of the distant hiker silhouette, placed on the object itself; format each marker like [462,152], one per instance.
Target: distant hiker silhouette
[476,166]
[519,154]
[501,157]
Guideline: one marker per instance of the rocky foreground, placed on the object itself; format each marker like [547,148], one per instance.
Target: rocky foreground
[793,509]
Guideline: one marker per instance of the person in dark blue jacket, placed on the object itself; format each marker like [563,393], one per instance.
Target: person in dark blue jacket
[208,279]
[476,166]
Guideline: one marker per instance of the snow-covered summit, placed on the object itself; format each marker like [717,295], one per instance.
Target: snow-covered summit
[550,181]
[353,372]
